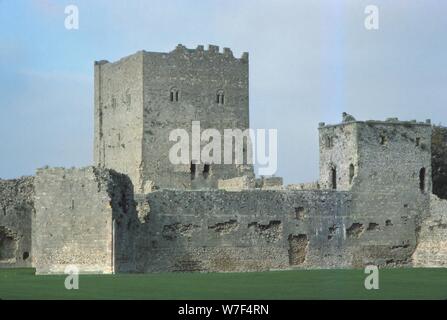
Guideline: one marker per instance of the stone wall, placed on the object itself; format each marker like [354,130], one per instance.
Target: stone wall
[270,183]
[90,218]
[255,230]
[304,186]
[234,231]
[236,184]
[16,211]
[431,250]
[84,217]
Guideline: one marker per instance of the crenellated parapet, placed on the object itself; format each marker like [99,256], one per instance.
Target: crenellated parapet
[212,52]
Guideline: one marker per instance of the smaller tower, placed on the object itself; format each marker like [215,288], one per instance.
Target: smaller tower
[376,156]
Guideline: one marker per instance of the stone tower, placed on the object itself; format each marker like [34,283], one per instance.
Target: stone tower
[386,167]
[140,99]
[376,156]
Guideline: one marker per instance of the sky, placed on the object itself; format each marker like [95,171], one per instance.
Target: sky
[309,61]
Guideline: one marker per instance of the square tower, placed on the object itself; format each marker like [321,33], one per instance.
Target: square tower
[140,99]
[376,156]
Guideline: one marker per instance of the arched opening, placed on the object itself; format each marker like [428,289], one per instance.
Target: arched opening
[383,139]
[351,173]
[25,255]
[422,179]
[334,178]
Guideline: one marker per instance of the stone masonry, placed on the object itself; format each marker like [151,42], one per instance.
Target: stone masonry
[135,211]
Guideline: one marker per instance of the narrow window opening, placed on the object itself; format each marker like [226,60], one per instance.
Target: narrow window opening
[351,173]
[418,141]
[206,170]
[328,142]
[193,170]
[383,140]
[220,98]
[422,179]
[334,178]
[174,95]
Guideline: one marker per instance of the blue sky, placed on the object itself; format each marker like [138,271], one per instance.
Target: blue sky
[309,62]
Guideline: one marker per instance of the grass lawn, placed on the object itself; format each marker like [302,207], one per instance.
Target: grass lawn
[299,284]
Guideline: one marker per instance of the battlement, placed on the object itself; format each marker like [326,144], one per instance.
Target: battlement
[389,121]
[213,51]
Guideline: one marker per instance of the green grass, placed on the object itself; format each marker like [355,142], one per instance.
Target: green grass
[299,284]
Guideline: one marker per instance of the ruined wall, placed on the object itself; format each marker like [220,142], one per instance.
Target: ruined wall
[431,250]
[265,229]
[16,211]
[236,184]
[84,217]
[196,76]
[387,225]
[269,183]
[234,231]
[119,115]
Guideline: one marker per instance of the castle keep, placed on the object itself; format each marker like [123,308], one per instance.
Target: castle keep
[140,99]
[135,211]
